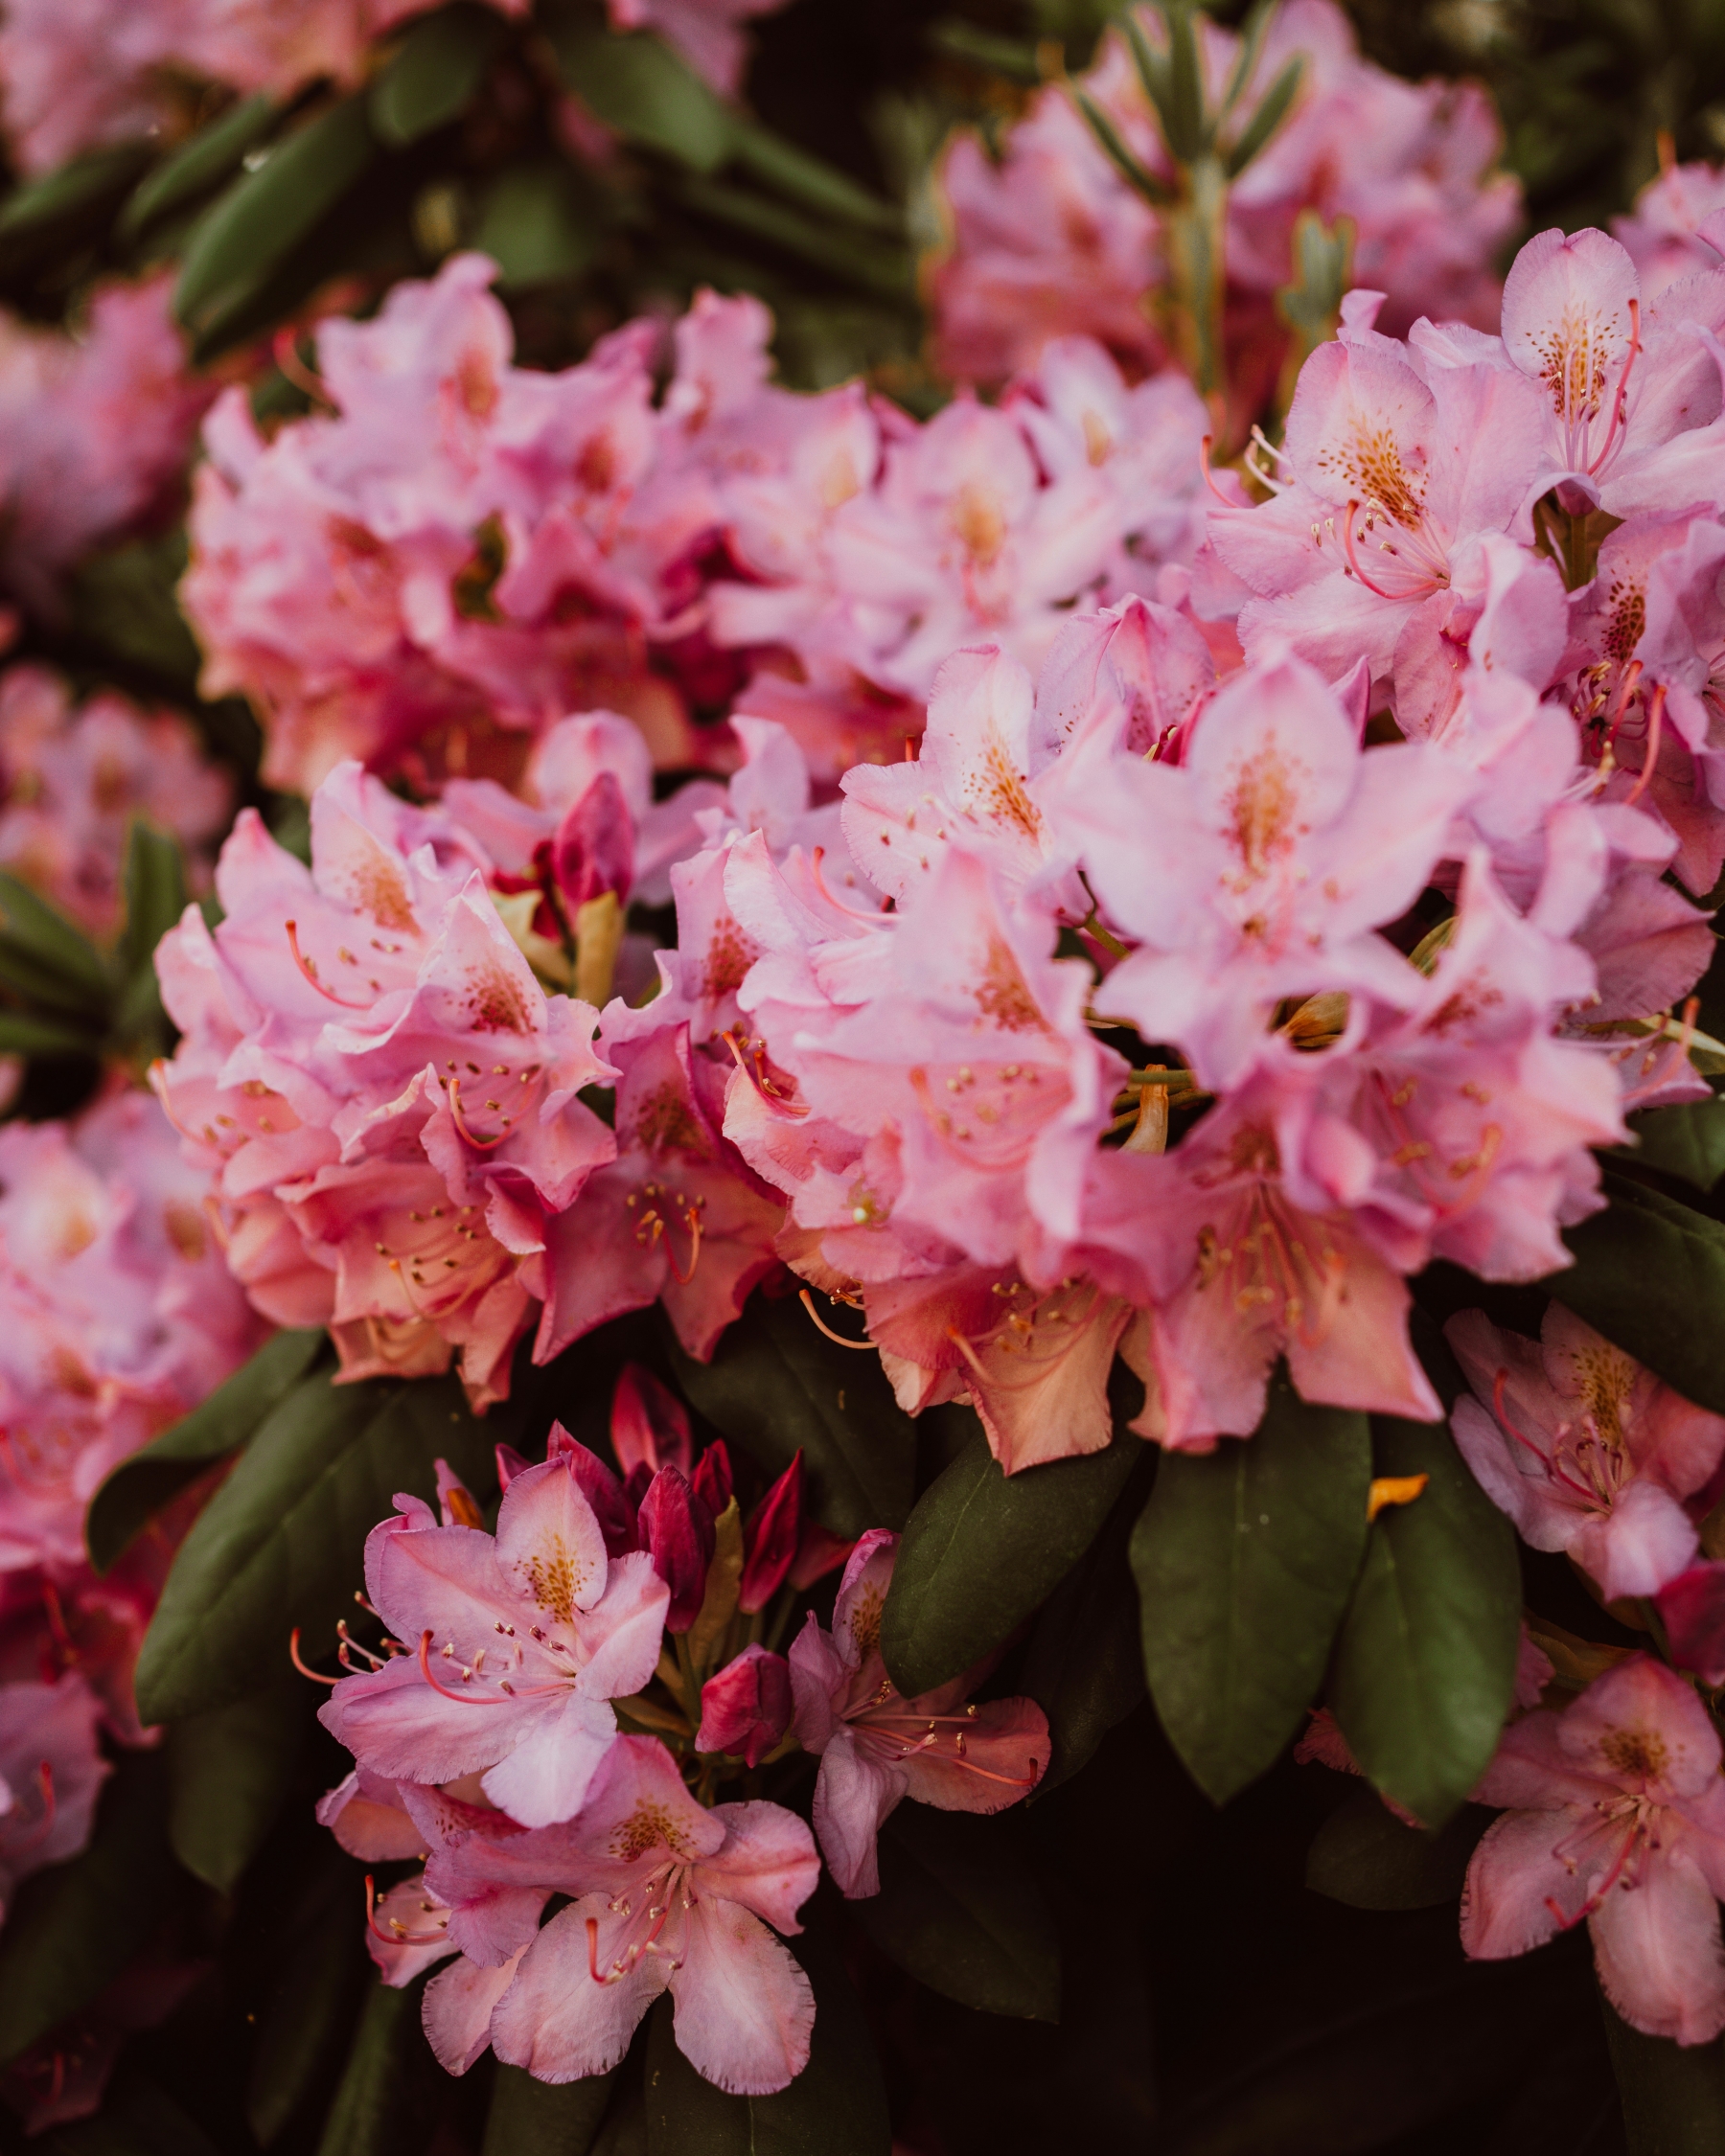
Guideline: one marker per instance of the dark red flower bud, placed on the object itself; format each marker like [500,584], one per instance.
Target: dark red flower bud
[770,1538]
[639,1481]
[679,1529]
[819,1552]
[601,1489]
[510,1465]
[713,1476]
[648,1424]
[1693,1608]
[594,851]
[746,1709]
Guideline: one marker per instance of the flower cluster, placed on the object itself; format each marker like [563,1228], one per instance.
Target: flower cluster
[468,550]
[553,1714]
[1049,239]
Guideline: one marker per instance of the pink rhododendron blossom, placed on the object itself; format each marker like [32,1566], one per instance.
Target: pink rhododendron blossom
[747,1708]
[1584,1449]
[1664,233]
[515,1644]
[94,432]
[1615,1812]
[666,1896]
[51,1773]
[877,1749]
[705,32]
[75,777]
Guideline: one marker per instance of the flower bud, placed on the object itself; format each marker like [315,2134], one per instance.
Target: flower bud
[746,1709]
[510,1465]
[601,1489]
[594,851]
[771,1539]
[713,1476]
[455,1500]
[678,1528]
[648,1424]
[819,1552]
[1692,1609]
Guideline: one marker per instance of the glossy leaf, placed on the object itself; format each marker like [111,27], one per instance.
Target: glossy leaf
[776,1383]
[435,74]
[1365,1856]
[390,2089]
[1425,1665]
[836,2105]
[141,1486]
[1245,1559]
[644,91]
[44,957]
[281,1542]
[1673,2095]
[266,212]
[229,1775]
[984,1549]
[529,2118]
[23,1035]
[1687,1141]
[198,164]
[50,215]
[537,225]
[961,1910]
[321,1971]
[1649,1274]
[809,180]
[72,1928]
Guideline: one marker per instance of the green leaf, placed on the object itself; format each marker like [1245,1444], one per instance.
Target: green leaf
[1673,2095]
[136,2118]
[1156,191]
[198,165]
[21,1035]
[388,2095]
[1271,111]
[644,91]
[1085,1665]
[72,1928]
[247,232]
[862,262]
[1425,1666]
[229,1775]
[139,1486]
[1687,1141]
[322,1969]
[529,2118]
[776,1383]
[1185,121]
[836,2106]
[48,215]
[1649,1274]
[809,180]
[1365,1856]
[538,225]
[281,1544]
[984,1549]
[1244,1558]
[960,1909]
[124,601]
[434,76]
[153,881]
[45,957]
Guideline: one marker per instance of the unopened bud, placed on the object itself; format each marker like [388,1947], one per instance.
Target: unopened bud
[594,851]
[713,1476]
[771,1539]
[601,1489]
[678,1528]
[648,1424]
[746,1709]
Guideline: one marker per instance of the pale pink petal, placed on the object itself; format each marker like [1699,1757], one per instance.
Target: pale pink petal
[456,2011]
[549,1542]
[854,1792]
[744,2009]
[545,1777]
[1513,1881]
[767,1861]
[1658,1952]
[555,2020]
[1645,1540]
[621,1635]
[1005,1753]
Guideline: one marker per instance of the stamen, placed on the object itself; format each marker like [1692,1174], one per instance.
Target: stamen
[316,1676]
[863,1346]
[307,968]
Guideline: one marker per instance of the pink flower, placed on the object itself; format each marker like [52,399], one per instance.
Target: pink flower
[565,1631]
[745,1707]
[1663,235]
[705,32]
[51,1774]
[666,1896]
[1615,1813]
[875,1748]
[74,779]
[1583,1448]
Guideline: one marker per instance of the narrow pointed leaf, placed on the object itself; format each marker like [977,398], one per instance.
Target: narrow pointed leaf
[45,957]
[1245,1560]
[1425,1665]
[1271,111]
[1156,191]
[1186,129]
[434,77]
[50,215]
[808,180]
[198,165]
[23,1035]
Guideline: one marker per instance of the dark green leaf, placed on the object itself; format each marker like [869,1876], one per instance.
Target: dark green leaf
[435,74]
[776,1383]
[1271,111]
[1673,2095]
[960,1909]
[322,1970]
[1365,1856]
[836,2106]
[44,957]
[809,180]
[537,225]
[1649,1274]
[529,2118]
[21,1035]
[1425,1666]
[1687,1141]
[124,601]
[248,230]
[1156,191]
[646,91]
[1245,1559]
[49,216]
[198,165]
[860,260]
[153,881]
[281,1542]
[136,2118]
[74,1927]
[1085,1666]
[229,1776]
[141,1486]
[388,2093]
